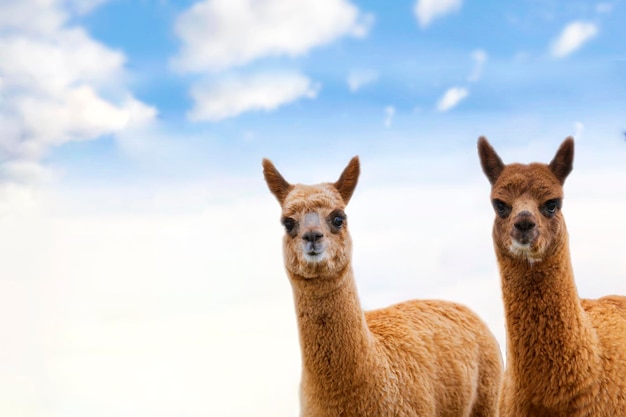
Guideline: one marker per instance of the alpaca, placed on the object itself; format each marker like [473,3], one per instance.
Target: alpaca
[418,358]
[565,356]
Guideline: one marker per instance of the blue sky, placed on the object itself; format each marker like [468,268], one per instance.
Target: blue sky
[142,269]
[497,61]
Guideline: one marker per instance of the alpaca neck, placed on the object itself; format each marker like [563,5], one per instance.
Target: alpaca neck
[546,324]
[334,337]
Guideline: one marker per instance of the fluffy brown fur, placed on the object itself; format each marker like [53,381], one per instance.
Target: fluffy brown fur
[418,358]
[566,357]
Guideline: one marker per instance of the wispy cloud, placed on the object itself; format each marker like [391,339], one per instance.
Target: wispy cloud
[454,95]
[604,8]
[479,57]
[360,78]
[428,10]
[573,36]
[219,34]
[85,6]
[451,98]
[390,112]
[579,128]
[217,100]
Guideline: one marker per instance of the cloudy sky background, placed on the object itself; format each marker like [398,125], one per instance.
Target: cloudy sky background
[142,270]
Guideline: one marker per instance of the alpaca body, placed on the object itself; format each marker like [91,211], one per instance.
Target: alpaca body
[414,359]
[565,356]
[417,358]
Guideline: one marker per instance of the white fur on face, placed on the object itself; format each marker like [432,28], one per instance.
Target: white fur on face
[315,258]
[523,251]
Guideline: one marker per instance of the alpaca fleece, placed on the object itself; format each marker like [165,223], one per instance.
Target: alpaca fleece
[565,356]
[417,358]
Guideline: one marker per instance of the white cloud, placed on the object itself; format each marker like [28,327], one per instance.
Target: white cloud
[572,37]
[18,201]
[479,57]
[579,128]
[33,16]
[76,114]
[451,98]
[219,34]
[229,97]
[428,10]
[70,55]
[360,78]
[24,172]
[390,111]
[58,84]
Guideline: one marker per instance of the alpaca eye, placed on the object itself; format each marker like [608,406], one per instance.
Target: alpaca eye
[338,221]
[501,208]
[289,224]
[551,206]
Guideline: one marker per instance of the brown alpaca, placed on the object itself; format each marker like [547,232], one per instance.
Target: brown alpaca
[418,358]
[565,356]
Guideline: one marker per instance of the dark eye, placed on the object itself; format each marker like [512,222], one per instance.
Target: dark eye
[551,206]
[501,208]
[289,224]
[337,219]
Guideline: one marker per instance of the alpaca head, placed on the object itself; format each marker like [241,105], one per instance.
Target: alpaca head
[527,200]
[316,242]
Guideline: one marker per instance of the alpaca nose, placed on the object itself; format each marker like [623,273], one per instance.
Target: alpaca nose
[525,221]
[312,236]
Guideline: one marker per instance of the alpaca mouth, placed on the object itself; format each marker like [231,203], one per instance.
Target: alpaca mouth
[314,253]
[314,249]
[314,256]
[520,246]
[524,238]
[524,250]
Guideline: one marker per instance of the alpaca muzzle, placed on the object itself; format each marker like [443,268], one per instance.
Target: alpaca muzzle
[524,230]
[314,245]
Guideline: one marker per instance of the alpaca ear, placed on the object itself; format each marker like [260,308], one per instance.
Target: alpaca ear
[348,179]
[489,160]
[275,182]
[563,161]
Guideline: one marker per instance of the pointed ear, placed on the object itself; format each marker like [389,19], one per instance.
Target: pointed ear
[275,182]
[489,160]
[563,161]
[348,179]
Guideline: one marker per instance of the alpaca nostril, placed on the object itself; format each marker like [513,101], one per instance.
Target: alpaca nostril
[524,221]
[312,236]
[524,225]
